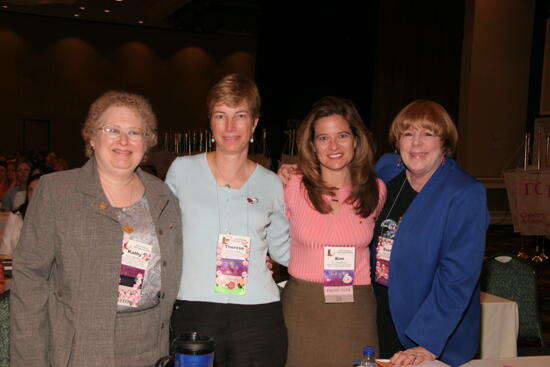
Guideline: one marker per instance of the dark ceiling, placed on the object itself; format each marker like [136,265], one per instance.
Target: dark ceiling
[237,17]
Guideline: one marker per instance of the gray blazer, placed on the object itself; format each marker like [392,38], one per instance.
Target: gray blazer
[66,272]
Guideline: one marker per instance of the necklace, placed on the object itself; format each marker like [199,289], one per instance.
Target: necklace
[218,171]
[126,227]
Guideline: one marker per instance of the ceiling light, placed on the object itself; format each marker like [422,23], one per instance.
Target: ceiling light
[106,11]
[140,21]
[119,1]
[5,6]
[82,8]
[76,15]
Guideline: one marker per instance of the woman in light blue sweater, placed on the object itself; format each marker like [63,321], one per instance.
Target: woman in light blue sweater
[233,216]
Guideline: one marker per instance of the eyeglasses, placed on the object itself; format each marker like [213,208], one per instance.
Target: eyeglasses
[115,133]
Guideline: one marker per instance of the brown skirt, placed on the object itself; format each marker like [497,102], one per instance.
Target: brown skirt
[327,334]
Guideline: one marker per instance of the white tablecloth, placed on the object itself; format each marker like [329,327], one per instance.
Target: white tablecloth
[539,361]
[499,327]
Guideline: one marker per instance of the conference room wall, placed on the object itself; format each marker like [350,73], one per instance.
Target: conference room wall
[52,69]
[494,84]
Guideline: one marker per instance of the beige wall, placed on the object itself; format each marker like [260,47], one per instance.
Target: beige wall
[52,69]
[494,84]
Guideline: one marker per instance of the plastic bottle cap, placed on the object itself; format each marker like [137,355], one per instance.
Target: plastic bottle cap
[368,351]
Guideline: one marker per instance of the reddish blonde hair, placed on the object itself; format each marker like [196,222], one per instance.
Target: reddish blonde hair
[138,104]
[429,115]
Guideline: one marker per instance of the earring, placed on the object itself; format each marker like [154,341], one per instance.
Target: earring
[251,140]
[213,140]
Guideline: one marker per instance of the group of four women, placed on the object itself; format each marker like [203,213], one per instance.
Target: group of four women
[192,253]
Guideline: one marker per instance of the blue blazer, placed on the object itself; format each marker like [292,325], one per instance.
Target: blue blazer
[436,262]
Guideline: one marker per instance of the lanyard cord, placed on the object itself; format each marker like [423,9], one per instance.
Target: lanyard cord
[397,197]
[218,206]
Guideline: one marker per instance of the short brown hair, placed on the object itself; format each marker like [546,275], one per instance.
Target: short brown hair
[364,192]
[232,90]
[138,104]
[429,115]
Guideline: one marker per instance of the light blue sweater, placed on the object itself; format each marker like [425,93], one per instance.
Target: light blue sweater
[208,210]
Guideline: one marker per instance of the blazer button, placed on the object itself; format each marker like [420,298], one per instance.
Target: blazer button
[164,263]
[160,232]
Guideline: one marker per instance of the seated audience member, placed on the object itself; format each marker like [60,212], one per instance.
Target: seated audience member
[41,169]
[12,231]
[4,181]
[60,165]
[51,160]
[22,172]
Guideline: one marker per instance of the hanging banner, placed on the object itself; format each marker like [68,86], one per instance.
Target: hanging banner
[529,199]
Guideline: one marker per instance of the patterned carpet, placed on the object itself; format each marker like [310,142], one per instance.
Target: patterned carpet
[501,239]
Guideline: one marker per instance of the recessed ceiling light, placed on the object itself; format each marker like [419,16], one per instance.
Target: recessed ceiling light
[106,11]
[82,8]
[119,1]
[5,6]
[140,21]
[76,15]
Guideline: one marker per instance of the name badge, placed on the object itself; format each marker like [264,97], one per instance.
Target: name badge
[338,274]
[135,259]
[383,254]
[232,259]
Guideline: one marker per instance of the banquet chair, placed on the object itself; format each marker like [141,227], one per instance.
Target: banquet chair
[4,332]
[515,279]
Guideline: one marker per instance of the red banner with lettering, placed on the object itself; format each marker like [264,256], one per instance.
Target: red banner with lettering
[529,198]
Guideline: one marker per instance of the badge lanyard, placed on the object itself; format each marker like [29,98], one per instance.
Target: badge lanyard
[384,244]
[232,254]
[135,260]
[338,271]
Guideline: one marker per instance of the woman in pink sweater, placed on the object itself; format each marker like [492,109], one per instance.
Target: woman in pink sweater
[332,205]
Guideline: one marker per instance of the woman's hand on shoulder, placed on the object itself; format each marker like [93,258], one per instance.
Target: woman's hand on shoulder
[412,357]
[286,170]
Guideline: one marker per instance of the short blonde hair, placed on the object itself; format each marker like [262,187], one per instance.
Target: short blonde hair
[138,104]
[232,90]
[429,115]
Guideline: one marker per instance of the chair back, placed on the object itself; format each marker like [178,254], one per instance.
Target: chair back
[4,332]
[515,279]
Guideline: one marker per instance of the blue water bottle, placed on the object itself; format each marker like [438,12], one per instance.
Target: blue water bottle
[190,350]
[368,357]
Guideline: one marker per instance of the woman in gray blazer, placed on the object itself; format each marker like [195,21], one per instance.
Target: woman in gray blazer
[97,269]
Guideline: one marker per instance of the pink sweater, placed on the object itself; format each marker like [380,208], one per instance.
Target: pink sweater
[310,231]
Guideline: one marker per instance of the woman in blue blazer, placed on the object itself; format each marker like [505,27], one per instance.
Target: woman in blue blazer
[430,241]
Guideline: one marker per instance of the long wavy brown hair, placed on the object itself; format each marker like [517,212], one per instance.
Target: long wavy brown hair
[364,191]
